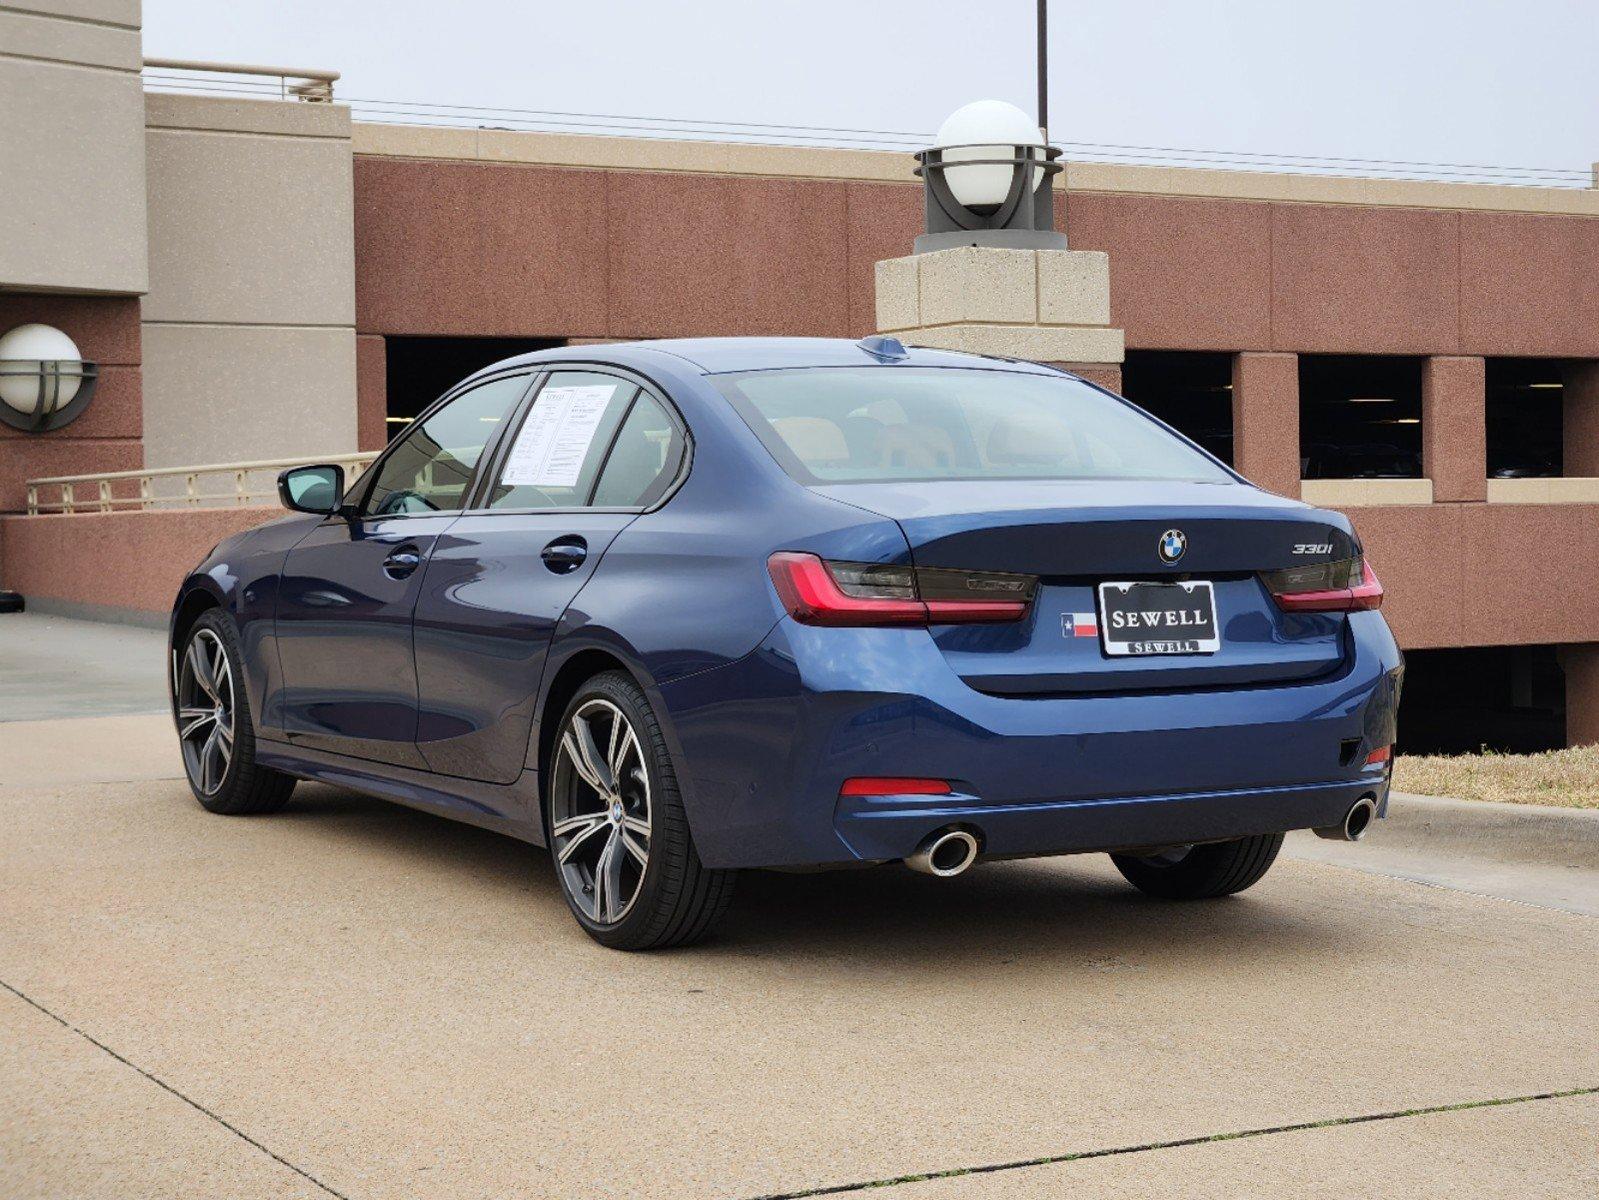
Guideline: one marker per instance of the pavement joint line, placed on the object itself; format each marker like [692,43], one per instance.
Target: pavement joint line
[1047,1160]
[167,1087]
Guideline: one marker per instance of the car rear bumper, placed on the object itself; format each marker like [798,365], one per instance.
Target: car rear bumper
[892,827]
[765,743]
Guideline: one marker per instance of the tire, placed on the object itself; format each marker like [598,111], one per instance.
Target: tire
[612,793]
[1202,872]
[215,732]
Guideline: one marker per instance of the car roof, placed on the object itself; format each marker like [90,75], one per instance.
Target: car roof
[720,355]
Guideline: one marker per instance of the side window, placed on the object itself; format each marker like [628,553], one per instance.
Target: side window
[644,460]
[562,442]
[431,467]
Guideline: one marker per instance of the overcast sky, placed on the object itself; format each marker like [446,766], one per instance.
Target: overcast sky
[1463,81]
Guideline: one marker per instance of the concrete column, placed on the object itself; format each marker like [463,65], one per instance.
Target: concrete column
[1266,421]
[371,391]
[1454,440]
[1580,415]
[251,308]
[1581,666]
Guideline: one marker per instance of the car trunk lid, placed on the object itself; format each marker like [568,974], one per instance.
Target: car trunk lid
[1076,535]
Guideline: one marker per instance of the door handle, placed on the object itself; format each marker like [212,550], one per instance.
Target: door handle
[402,562]
[565,554]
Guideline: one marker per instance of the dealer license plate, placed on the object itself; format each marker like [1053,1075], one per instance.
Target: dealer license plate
[1158,618]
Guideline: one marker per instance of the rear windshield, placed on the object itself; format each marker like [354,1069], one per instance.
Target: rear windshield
[880,424]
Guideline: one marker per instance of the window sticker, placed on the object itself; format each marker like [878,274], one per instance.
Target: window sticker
[553,443]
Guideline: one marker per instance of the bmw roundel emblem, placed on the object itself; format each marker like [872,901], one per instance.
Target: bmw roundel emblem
[1172,545]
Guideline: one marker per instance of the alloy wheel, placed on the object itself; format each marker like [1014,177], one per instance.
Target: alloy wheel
[206,711]
[600,812]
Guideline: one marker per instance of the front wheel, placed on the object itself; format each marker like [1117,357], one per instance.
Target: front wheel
[1201,872]
[617,831]
[214,727]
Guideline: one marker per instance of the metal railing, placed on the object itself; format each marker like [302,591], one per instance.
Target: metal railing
[194,75]
[177,487]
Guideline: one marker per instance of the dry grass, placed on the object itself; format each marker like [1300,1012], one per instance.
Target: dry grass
[1569,778]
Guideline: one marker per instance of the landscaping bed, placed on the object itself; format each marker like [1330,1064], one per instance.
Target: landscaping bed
[1569,778]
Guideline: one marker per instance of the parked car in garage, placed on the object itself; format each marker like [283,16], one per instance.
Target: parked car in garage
[678,609]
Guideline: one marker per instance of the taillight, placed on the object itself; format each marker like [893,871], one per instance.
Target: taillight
[818,592]
[1347,585]
[1380,756]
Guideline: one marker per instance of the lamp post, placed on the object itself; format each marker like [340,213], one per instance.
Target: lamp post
[44,381]
[1043,69]
[988,181]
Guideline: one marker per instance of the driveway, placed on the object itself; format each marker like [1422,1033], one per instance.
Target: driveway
[352,999]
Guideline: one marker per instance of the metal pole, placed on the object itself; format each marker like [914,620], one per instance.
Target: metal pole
[1043,68]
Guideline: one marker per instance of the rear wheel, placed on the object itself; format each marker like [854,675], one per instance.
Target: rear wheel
[1201,872]
[214,727]
[617,831]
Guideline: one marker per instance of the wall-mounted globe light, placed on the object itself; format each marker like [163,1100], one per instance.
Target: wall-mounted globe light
[44,382]
[989,182]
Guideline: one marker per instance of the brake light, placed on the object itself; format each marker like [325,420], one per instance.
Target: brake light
[891,785]
[818,592]
[1348,585]
[1379,756]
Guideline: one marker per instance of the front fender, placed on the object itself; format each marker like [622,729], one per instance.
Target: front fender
[240,575]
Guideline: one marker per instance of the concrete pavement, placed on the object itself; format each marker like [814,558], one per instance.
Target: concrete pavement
[354,999]
[54,668]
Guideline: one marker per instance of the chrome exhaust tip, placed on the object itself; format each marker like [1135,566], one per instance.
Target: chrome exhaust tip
[945,854]
[1356,822]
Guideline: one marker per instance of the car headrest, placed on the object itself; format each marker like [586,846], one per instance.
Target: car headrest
[1028,441]
[813,439]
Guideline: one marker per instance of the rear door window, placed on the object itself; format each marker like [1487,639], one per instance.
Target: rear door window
[556,455]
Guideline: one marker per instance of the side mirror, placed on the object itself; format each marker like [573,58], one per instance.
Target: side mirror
[312,489]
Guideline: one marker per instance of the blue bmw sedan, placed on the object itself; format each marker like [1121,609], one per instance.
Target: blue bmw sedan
[674,609]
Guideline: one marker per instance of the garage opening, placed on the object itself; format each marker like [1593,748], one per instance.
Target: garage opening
[1511,699]
[1359,417]
[1525,403]
[421,369]
[1191,392]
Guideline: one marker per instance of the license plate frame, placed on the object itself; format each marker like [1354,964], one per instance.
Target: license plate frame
[1178,639]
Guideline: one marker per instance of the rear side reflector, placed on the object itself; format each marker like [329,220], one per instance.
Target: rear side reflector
[891,785]
[1349,585]
[1379,756]
[817,592]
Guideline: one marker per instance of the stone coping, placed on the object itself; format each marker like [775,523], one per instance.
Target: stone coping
[1568,490]
[228,114]
[1359,493]
[881,166]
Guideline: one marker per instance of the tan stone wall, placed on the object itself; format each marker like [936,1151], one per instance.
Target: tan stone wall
[72,124]
[249,326]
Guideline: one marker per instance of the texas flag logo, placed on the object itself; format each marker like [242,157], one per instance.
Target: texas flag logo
[1079,624]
